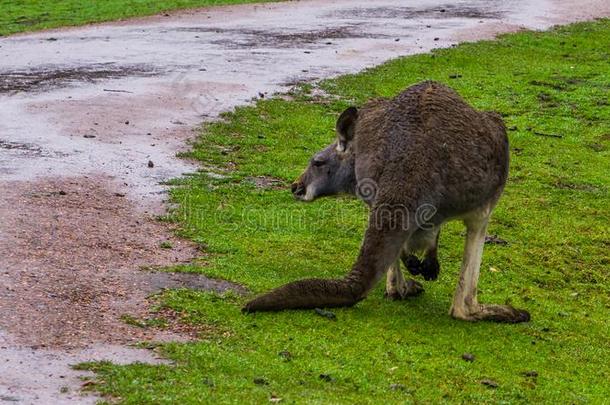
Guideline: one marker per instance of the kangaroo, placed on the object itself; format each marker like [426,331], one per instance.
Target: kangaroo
[418,160]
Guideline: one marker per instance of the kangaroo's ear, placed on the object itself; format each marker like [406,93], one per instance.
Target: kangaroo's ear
[345,128]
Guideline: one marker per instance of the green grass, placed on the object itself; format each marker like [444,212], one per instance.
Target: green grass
[554,213]
[30,15]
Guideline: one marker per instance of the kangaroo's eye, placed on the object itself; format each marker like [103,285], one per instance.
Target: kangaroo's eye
[318,162]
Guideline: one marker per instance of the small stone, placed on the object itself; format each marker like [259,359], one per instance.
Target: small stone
[495,240]
[326,377]
[260,381]
[151,164]
[326,314]
[126,122]
[286,355]
[531,373]
[437,39]
[468,357]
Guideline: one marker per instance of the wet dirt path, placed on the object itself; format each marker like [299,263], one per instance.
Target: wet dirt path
[91,119]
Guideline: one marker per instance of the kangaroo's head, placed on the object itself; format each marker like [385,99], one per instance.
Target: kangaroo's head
[331,170]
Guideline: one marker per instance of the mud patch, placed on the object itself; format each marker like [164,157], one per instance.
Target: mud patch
[555,86]
[584,187]
[26,148]
[237,38]
[49,77]
[604,138]
[71,252]
[167,318]
[597,147]
[266,182]
[439,12]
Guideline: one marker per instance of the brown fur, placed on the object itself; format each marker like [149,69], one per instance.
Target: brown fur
[424,148]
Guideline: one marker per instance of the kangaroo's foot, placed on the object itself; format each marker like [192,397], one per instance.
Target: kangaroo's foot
[491,312]
[429,268]
[411,263]
[410,288]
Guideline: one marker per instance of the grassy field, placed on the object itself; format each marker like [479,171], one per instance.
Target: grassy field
[553,90]
[31,15]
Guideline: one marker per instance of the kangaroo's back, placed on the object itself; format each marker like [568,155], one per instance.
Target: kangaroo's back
[431,147]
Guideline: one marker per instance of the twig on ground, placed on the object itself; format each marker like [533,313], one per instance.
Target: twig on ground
[118,91]
[547,135]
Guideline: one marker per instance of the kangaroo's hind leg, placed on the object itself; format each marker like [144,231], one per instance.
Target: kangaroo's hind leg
[426,240]
[465,305]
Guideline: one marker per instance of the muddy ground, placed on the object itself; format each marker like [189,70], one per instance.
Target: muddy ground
[84,110]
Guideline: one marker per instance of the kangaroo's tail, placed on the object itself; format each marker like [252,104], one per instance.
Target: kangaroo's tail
[308,294]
